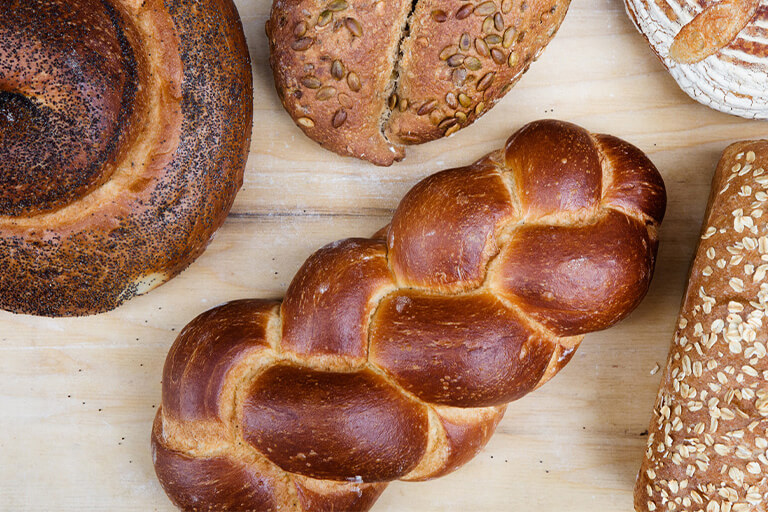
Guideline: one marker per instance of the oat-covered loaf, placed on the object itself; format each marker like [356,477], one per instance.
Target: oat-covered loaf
[717,50]
[124,130]
[394,357]
[366,77]
[708,436]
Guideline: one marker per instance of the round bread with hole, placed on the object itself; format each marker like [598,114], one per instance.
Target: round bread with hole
[365,78]
[124,131]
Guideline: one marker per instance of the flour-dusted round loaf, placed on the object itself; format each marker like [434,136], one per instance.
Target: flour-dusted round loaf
[124,130]
[366,77]
[393,357]
[717,50]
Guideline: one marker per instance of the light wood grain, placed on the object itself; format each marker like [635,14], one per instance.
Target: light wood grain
[78,395]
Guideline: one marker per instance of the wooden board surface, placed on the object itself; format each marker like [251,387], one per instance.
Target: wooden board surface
[78,395]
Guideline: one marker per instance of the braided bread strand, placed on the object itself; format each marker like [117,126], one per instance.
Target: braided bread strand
[394,357]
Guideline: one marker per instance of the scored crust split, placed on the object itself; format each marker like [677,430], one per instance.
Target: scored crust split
[366,77]
[717,51]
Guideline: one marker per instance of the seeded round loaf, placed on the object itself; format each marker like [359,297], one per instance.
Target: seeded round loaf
[393,357]
[716,50]
[124,130]
[366,77]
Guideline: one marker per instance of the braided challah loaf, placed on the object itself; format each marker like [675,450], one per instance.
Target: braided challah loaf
[124,130]
[394,357]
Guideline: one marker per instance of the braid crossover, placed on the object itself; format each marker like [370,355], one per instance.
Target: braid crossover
[394,357]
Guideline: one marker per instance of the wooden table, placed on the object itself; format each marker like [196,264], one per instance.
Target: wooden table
[78,395]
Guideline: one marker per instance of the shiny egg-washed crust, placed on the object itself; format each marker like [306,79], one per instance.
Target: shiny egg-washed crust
[365,77]
[708,434]
[716,50]
[124,131]
[394,357]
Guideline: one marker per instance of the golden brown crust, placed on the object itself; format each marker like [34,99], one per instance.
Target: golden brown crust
[379,366]
[423,253]
[712,29]
[195,372]
[362,426]
[332,297]
[171,159]
[578,279]
[491,355]
[220,482]
[465,435]
[557,169]
[630,186]
[332,496]
[365,78]
[709,433]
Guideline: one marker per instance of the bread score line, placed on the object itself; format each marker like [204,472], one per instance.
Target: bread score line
[717,51]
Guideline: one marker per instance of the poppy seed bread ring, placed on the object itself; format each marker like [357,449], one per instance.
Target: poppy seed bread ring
[124,131]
